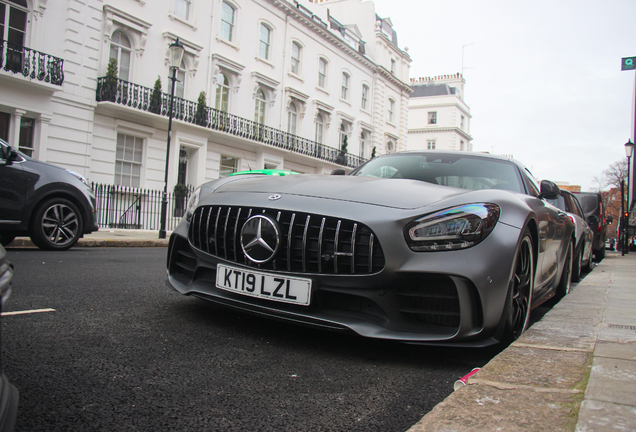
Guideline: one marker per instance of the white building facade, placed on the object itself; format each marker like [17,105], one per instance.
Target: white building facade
[439,119]
[283,82]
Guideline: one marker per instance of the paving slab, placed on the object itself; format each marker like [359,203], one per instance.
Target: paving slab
[613,380]
[596,416]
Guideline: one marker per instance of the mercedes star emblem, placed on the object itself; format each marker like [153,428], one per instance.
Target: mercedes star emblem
[260,238]
[274,197]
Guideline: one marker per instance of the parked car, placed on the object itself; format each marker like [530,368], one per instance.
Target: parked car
[9,395]
[271,172]
[52,205]
[567,202]
[594,211]
[421,247]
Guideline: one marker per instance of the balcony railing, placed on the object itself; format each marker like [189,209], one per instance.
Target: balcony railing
[146,99]
[31,63]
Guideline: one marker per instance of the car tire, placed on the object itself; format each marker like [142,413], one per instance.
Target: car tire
[599,255]
[6,239]
[57,225]
[577,265]
[565,283]
[520,287]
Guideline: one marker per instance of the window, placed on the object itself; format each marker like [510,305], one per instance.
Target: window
[392,66]
[263,44]
[462,145]
[13,21]
[363,143]
[182,9]
[259,108]
[322,73]
[222,93]
[26,136]
[342,136]
[227,22]
[461,124]
[344,94]
[292,117]
[120,50]
[365,97]
[179,88]
[390,147]
[128,160]
[430,144]
[295,58]
[390,111]
[320,128]
[227,166]
[432,117]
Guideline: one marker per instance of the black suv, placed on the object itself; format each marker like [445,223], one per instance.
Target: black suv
[592,203]
[52,205]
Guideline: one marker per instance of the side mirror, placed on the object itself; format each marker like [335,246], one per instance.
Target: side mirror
[610,219]
[593,220]
[9,155]
[549,190]
[338,171]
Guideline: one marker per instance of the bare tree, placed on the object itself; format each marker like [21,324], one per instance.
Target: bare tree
[615,174]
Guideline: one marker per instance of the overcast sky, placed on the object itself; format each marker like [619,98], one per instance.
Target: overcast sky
[543,77]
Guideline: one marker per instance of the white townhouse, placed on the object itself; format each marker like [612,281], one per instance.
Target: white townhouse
[438,116]
[262,84]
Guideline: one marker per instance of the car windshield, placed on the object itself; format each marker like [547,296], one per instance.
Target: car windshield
[466,172]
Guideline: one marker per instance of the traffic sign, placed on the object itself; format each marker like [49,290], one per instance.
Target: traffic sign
[628,63]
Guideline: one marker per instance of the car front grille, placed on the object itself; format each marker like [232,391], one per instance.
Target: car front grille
[309,243]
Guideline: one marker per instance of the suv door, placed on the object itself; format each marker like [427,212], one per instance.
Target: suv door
[13,184]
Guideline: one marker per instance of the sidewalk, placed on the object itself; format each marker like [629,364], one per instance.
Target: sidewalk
[574,370]
[107,237]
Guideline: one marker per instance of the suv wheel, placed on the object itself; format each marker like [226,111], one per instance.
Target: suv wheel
[57,225]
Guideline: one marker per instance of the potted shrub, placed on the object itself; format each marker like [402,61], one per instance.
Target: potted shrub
[155,97]
[180,192]
[201,117]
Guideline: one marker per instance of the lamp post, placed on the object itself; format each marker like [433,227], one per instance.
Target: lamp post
[176,54]
[629,152]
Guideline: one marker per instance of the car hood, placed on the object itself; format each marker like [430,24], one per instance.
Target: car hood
[396,193]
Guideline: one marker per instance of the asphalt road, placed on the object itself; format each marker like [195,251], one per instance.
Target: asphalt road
[122,351]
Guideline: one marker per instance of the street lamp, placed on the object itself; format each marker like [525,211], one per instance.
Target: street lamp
[629,152]
[176,54]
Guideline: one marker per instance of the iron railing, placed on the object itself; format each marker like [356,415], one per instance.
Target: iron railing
[146,99]
[31,63]
[134,208]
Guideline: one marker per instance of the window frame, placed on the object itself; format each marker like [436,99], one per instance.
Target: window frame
[323,75]
[228,169]
[432,117]
[344,91]
[188,8]
[390,111]
[225,90]
[122,161]
[227,32]
[292,119]
[296,60]
[365,97]
[260,106]
[264,46]
[120,48]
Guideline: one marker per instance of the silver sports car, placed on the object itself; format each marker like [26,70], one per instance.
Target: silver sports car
[418,247]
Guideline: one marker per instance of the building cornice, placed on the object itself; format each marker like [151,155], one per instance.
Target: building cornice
[452,129]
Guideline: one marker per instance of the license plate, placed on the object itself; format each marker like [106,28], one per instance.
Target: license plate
[263,285]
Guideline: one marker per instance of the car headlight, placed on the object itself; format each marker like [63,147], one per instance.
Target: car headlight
[79,177]
[451,229]
[192,203]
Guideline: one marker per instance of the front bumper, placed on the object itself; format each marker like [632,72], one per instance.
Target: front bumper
[454,297]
